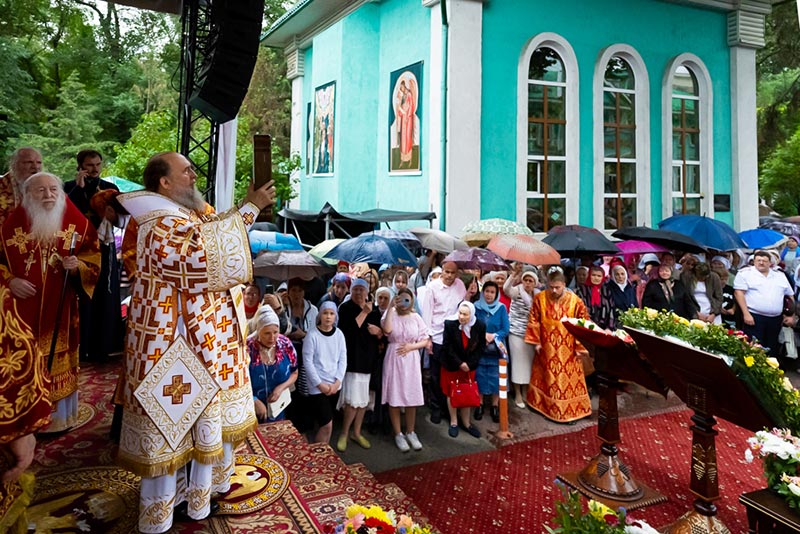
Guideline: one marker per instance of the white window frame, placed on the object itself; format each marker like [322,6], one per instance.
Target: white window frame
[572,127]
[706,122]
[642,138]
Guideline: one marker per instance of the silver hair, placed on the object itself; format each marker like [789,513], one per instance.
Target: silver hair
[27,183]
[13,161]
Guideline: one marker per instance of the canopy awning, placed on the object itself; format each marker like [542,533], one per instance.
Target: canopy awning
[312,227]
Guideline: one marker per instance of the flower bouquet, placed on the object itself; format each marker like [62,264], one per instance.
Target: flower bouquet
[597,518]
[780,452]
[746,358]
[590,332]
[374,520]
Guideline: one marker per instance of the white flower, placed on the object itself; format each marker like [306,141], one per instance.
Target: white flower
[748,456]
[640,528]
[787,384]
[795,489]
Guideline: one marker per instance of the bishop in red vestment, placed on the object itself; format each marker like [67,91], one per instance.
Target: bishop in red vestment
[34,260]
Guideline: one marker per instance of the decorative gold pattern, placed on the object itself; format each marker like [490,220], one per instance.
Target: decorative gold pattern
[704,462]
[695,523]
[175,420]
[226,262]
[258,481]
[105,498]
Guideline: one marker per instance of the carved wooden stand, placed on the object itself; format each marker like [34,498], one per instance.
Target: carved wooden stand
[709,387]
[606,478]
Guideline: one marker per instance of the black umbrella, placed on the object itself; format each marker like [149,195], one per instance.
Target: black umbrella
[668,238]
[573,239]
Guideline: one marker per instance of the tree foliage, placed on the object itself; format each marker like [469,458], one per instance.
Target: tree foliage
[778,90]
[780,177]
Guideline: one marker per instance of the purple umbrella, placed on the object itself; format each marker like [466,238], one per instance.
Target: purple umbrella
[640,247]
[477,258]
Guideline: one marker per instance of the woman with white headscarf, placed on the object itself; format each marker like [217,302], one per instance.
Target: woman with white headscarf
[520,287]
[622,293]
[273,363]
[463,342]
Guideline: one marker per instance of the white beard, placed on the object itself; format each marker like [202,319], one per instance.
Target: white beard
[45,224]
[190,198]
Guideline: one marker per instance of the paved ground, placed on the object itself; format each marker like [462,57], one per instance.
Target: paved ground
[524,424]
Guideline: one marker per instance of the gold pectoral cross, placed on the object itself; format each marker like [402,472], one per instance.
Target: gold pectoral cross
[19,239]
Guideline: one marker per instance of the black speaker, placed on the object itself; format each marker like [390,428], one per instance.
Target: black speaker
[225,74]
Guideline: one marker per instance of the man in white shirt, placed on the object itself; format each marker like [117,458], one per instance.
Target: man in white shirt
[442,298]
[759,293]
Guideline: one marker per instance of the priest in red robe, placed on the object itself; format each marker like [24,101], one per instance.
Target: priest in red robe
[34,261]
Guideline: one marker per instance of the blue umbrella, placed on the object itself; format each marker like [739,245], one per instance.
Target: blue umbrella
[762,238]
[709,232]
[371,248]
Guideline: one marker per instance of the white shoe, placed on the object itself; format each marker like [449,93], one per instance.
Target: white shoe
[414,441]
[402,444]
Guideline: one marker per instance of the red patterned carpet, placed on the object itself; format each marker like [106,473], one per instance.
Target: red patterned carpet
[512,489]
[77,469]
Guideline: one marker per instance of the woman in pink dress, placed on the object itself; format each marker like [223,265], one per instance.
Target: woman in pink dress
[402,373]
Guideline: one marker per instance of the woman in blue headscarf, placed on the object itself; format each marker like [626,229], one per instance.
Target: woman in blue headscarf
[494,315]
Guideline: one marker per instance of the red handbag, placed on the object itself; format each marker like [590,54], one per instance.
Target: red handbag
[464,394]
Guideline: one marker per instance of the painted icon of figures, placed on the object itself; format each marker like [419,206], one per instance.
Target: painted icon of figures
[324,99]
[404,128]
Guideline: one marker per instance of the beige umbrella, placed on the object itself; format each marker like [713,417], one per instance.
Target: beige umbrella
[438,240]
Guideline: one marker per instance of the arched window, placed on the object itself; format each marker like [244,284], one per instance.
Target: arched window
[621,140]
[685,142]
[548,109]
[688,161]
[619,144]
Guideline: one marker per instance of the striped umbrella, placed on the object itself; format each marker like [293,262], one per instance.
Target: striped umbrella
[523,248]
[319,250]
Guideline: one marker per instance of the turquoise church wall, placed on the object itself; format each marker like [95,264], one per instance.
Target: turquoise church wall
[659,31]
[359,53]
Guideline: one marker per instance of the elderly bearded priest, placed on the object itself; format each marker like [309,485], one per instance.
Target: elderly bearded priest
[36,239]
[186,307]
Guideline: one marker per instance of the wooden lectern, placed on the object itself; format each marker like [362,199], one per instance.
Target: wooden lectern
[710,388]
[606,478]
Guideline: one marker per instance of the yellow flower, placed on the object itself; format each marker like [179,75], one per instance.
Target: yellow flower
[651,313]
[749,361]
[600,510]
[697,323]
[773,362]
[684,321]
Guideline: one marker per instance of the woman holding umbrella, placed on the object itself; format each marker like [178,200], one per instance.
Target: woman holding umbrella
[520,288]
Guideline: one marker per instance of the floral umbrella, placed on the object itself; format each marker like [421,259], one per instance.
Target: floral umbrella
[524,248]
[480,232]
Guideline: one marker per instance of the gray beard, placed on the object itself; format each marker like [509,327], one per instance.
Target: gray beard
[45,224]
[190,198]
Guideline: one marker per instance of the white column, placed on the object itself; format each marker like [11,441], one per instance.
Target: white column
[434,141]
[745,35]
[744,143]
[464,113]
[295,71]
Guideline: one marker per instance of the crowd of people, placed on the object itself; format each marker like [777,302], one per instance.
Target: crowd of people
[373,345]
